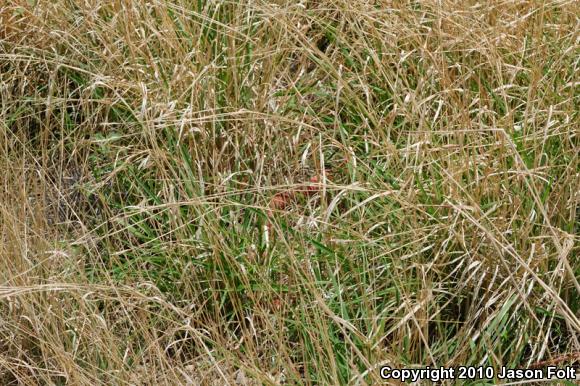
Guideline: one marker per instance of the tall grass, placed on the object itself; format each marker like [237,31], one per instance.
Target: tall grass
[255,192]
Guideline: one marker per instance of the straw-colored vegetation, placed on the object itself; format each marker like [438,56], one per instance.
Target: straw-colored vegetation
[286,192]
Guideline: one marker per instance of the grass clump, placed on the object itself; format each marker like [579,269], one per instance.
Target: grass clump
[285,193]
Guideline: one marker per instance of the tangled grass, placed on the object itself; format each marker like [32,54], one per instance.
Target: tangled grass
[281,192]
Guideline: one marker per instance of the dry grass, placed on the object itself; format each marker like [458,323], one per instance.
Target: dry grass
[257,192]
